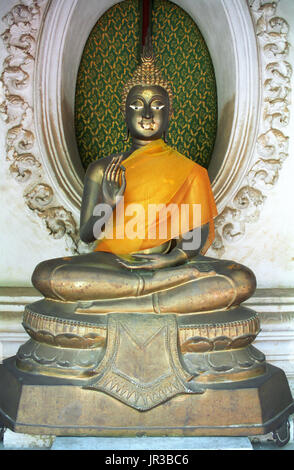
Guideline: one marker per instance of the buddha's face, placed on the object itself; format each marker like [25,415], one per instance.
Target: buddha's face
[147,112]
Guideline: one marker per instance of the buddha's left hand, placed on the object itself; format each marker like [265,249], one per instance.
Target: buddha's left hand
[155,260]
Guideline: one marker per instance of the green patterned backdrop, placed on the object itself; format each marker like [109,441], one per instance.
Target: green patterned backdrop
[109,59]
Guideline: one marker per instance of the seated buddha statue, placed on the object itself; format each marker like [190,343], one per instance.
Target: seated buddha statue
[158,274]
[146,317]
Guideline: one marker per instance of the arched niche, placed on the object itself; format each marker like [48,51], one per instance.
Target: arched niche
[228,31]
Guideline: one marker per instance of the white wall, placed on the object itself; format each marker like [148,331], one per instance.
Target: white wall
[268,246]
[24,241]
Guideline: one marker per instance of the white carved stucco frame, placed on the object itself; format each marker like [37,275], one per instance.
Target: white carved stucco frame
[45,41]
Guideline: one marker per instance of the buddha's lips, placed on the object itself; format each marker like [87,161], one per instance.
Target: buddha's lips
[147,126]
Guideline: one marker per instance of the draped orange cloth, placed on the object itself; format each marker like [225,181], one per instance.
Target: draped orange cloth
[158,175]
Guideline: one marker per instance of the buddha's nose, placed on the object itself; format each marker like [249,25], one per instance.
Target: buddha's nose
[147,112]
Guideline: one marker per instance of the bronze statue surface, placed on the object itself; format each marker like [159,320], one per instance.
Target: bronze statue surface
[168,270]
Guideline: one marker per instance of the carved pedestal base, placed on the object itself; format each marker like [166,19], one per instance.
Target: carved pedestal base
[43,405]
[123,374]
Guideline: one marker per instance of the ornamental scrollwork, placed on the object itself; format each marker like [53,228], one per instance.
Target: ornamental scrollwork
[23,23]
[271,147]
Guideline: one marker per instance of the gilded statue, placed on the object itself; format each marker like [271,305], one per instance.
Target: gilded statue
[141,274]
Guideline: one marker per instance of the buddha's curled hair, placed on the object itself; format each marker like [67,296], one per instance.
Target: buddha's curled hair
[147,73]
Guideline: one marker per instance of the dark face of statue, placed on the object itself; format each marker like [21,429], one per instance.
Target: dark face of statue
[147,112]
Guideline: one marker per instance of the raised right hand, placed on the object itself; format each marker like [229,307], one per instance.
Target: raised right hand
[111,187]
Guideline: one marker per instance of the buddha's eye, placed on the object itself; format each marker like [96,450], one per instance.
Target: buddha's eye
[137,105]
[157,105]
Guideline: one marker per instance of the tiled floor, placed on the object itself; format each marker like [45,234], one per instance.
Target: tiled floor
[256,446]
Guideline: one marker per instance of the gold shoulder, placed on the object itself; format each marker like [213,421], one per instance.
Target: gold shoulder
[96,169]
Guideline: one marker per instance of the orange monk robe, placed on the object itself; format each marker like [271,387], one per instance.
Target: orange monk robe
[158,174]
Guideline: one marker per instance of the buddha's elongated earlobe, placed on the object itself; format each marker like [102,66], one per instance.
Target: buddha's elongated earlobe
[126,138]
[165,136]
